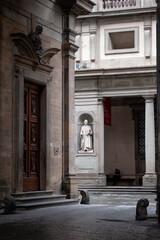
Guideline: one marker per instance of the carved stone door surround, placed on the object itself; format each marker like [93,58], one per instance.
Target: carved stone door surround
[35,69]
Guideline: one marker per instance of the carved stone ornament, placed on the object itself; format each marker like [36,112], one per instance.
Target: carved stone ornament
[10,205]
[141,209]
[29,51]
[85,197]
[36,40]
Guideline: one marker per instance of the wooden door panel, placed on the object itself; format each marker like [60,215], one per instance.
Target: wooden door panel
[31,137]
[25,132]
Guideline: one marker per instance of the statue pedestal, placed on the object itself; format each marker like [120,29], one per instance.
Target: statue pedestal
[85,152]
[91,180]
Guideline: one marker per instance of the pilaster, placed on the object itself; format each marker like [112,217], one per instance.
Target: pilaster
[101,141]
[70,182]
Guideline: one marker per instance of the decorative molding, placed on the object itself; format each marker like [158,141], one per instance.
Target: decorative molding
[118,3]
[125,12]
[70,32]
[49,79]
[18,70]
[149,98]
[80,113]
[104,72]
[69,50]
[77,7]
[108,43]
[25,53]
[47,54]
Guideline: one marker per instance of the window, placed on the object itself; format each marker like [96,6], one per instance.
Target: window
[121,41]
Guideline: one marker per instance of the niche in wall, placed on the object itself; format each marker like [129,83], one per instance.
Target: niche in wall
[89,141]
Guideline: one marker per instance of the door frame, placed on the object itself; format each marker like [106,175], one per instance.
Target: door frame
[22,74]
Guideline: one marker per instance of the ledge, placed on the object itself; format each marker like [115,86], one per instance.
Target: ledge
[123,12]
[77,7]
[100,72]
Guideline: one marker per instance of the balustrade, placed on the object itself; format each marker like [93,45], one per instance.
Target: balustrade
[123,4]
[118,3]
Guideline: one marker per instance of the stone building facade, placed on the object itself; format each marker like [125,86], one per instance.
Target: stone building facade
[37,95]
[116,77]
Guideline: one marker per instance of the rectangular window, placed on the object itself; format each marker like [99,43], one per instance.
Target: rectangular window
[120,41]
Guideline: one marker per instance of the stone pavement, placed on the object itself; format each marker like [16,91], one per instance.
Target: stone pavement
[79,222]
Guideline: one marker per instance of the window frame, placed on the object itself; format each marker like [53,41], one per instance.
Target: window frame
[124,50]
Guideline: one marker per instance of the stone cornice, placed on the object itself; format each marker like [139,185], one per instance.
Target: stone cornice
[100,73]
[69,49]
[76,7]
[125,12]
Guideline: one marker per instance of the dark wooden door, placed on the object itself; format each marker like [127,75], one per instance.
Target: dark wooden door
[31,137]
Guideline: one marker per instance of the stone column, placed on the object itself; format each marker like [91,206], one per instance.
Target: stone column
[150,178]
[101,142]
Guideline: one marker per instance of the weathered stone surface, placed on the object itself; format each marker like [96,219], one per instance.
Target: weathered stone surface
[141,209]
[85,197]
[10,205]
[55,78]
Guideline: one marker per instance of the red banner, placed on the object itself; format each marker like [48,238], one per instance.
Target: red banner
[107,111]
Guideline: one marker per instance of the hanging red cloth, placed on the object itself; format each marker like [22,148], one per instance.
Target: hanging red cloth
[107,111]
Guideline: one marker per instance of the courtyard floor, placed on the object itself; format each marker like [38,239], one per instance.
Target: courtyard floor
[79,222]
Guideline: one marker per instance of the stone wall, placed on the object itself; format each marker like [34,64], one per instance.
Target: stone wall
[22,17]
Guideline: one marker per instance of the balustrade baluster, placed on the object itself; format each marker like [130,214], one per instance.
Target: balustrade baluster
[118,3]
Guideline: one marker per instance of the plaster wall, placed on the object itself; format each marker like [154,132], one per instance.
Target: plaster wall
[124,59]
[119,148]
[92,41]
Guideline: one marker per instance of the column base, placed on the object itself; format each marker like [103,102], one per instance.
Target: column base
[150,180]
[70,186]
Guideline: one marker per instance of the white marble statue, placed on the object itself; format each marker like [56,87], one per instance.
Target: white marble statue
[86,137]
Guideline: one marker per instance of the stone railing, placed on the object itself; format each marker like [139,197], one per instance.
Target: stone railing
[118,3]
[110,5]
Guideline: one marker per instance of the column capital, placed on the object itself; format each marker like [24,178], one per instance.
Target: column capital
[149,98]
[101,99]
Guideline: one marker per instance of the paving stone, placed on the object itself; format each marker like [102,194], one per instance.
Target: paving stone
[79,222]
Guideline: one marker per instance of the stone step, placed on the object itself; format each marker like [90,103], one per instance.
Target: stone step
[114,195]
[128,190]
[29,206]
[40,199]
[31,194]
[117,200]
